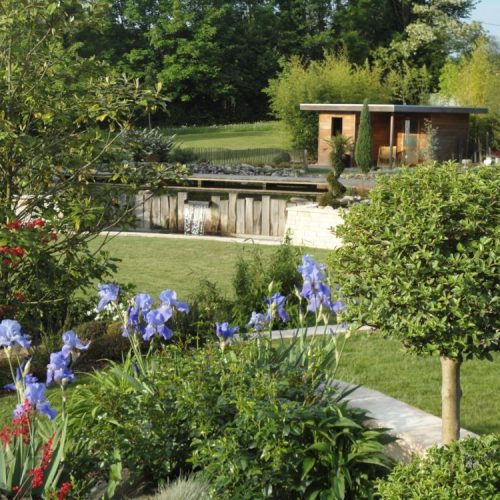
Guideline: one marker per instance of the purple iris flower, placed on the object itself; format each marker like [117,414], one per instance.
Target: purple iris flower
[143,302]
[276,305]
[72,342]
[156,319]
[224,331]
[136,314]
[169,298]
[257,321]
[314,290]
[27,379]
[108,293]
[338,307]
[10,334]
[58,369]
[35,395]
[311,271]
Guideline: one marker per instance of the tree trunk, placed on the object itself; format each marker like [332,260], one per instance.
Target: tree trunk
[450,399]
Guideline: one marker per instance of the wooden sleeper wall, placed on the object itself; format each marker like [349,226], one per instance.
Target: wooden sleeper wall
[246,215]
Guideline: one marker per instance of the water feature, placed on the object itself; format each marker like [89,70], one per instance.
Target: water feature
[194,217]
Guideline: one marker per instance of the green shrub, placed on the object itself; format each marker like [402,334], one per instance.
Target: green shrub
[420,263]
[206,307]
[340,146]
[249,417]
[254,274]
[363,149]
[467,469]
[331,80]
[282,160]
[147,144]
[182,155]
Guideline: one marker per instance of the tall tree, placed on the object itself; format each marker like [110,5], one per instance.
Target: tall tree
[430,281]
[60,115]
[363,149]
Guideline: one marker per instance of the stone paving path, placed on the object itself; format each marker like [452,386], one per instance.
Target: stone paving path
[241,238]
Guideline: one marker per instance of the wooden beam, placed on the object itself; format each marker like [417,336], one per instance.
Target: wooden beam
[391,140]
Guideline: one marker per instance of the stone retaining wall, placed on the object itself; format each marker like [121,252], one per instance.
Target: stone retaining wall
[311,225]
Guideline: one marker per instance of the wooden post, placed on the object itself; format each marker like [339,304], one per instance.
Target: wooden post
[281,217]
[266,201]
[156,211]
[240,216]
[257,217]
[231,213]
[248,215]
[181,198]
[147,209]
[139,209]
[224,206]
[391,140]
[214,214]
[172,223]
[274,217]
[165,214]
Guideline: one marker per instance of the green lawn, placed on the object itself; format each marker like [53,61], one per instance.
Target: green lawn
[381,364]
[154,264]
[236,136]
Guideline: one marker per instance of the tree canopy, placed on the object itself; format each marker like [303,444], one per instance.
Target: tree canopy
[215,57]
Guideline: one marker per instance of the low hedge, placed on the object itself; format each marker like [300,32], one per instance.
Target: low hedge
[467,469]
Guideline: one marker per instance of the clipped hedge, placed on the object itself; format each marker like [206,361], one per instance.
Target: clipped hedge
[467,469]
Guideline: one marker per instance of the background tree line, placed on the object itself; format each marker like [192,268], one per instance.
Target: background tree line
[215,57]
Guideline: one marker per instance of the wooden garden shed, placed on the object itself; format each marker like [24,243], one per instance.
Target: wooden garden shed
[398,131]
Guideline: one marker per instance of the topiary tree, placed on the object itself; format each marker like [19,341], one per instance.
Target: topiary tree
[420,263]
[340,146]
[363,149]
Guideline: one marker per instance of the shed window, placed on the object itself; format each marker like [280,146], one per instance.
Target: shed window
[336,126]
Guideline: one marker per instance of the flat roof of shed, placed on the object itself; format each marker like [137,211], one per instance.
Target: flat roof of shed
[392,108]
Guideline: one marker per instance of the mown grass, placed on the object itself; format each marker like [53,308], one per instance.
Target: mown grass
[154,264]
[382,364]
[236,136]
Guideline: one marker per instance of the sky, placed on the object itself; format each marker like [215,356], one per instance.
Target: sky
[488,13]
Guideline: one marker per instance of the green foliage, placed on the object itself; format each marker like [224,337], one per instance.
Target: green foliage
[182,155]
[408,84]
[331,80]
[340,146]
[147,144]
[419,261]
[473,80]
[254,273]
[466,469]
[363,149]
[207,306]
[59,116]
[250,417]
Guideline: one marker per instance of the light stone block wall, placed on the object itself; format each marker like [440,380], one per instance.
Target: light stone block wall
[311,225]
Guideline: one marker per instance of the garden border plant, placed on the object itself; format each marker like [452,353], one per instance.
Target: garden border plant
[420,262]
[167,413]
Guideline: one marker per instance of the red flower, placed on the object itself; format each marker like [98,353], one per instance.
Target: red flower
[5,434]
[37,475]
[35,223]
[20,297]
[63,491]
[18,251]
[21,423]
[38,472]
[15,224]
